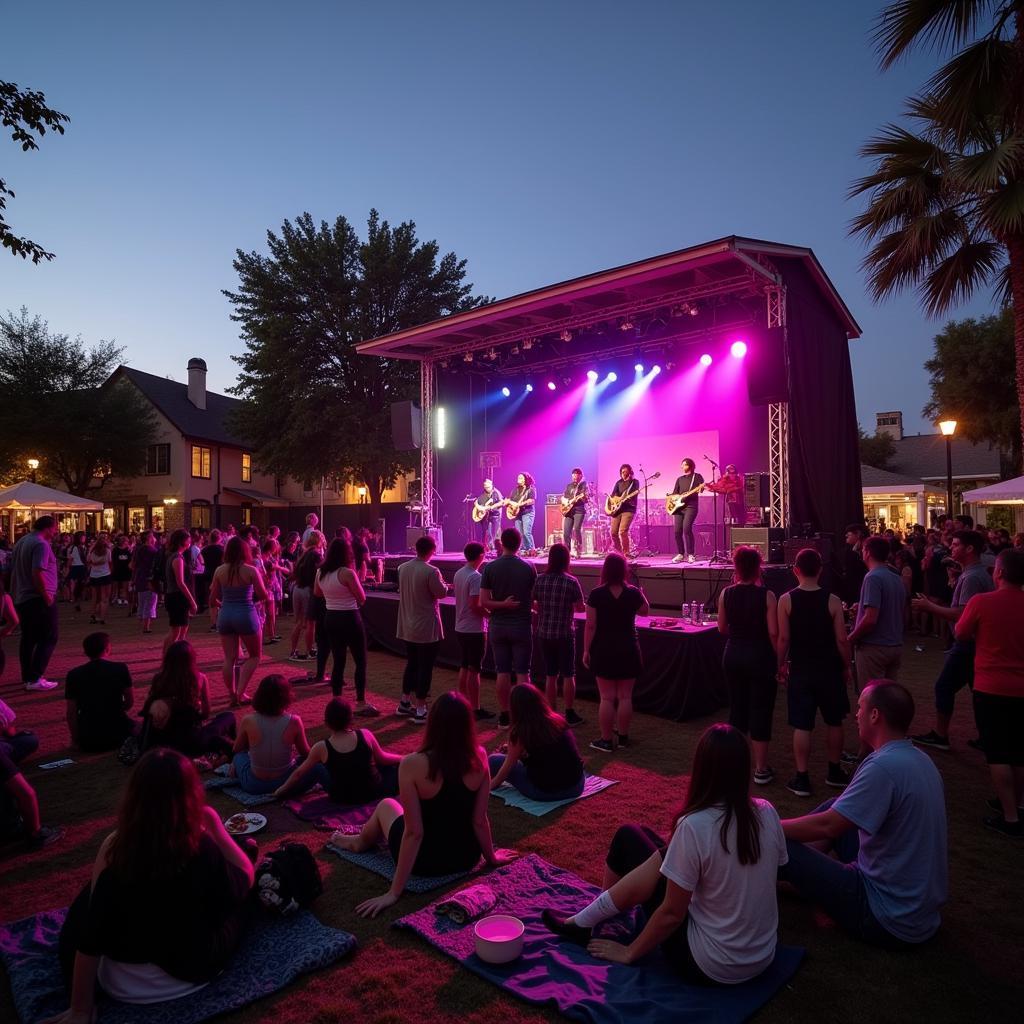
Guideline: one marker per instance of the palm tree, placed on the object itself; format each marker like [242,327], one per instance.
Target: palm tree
[945,211]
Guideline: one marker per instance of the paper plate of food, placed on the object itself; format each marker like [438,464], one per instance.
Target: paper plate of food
[244,824]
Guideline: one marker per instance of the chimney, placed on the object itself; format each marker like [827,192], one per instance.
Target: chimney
[197,382]
[890,423]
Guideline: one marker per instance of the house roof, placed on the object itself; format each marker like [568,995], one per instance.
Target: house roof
[879,480]
[923,457]
[171,399]
[259,497]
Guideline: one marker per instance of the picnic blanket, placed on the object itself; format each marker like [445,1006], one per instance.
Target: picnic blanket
[323,813]
[513,798]
[381,863]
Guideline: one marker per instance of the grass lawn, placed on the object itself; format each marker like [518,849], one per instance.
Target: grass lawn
[972,971]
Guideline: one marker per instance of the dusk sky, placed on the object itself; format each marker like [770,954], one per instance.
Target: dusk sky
[540,141]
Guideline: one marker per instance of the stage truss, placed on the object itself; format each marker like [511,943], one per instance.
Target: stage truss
[778,425]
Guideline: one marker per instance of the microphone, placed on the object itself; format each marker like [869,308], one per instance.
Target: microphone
[654,476]
[712,461]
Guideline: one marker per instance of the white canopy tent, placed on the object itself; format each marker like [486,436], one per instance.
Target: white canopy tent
[1006,492]
[35,499]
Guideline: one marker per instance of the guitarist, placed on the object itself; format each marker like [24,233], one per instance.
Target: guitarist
[622,507]
[683,517]
[488,504]
[523,502]
[574,508]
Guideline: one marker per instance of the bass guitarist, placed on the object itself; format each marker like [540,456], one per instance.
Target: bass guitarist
[574,508]
[487,512]
[621,506]
[685,511]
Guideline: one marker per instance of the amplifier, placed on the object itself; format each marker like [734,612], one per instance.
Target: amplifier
[552,499]
[553,519]
[413,534]
[793,547]
[768,540]
[756,495]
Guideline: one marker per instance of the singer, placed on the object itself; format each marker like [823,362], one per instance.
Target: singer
[689,484]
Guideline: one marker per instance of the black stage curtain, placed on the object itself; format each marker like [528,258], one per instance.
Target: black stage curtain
[682,676]
[824,457]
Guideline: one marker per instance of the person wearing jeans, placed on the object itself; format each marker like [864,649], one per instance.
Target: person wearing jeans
[420,589]
[525,496]
[683,518]
[572,528]
[34,591]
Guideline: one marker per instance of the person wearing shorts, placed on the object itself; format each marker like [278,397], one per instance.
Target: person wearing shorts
[814,661]
[506,592]
[178,597]
[471,627]
[556,598]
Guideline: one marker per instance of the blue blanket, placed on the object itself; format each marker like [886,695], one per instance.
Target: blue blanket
[273,953]
[381,863]
[229,786]
[565,976]
[513,798]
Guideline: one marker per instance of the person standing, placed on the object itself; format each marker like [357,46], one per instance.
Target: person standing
[489,502]
[574,509]
[524,497]
[179,600]
[966,548]
[748,618]
[420,589]
[312,522]
[121,558]
[995,622]
[506,592]
[684,516]
[854,569]
[143,560]
[814,664]
[34,591]
[626,489]
[99,578]
[78,570]
[557,596]
[471,627]
[213,555]
[877,635]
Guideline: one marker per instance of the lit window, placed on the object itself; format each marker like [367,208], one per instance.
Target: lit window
[200,462]
[246,469]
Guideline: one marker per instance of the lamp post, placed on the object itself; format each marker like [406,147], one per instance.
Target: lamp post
[33,465]
[948,428]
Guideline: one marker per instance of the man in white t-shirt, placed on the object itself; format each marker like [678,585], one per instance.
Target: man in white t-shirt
[471,627]
[312,522]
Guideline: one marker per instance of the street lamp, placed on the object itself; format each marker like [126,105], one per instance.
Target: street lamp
[33,465]
[948,428]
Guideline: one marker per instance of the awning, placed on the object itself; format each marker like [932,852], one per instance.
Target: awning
[27,496]
[259,497]
[1006,492]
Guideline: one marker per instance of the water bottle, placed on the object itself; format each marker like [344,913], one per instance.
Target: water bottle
[695,613]
[684,613]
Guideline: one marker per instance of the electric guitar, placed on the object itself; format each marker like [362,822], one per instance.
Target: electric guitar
[569,504]
[674,502]
[480,512]
[615,502]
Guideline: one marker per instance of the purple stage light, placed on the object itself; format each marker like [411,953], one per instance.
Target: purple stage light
[639,367]
[612,376]
[552,385]
[506,392]
[592,375]
[738,349]
[529,388]
[655,370]
[705,360]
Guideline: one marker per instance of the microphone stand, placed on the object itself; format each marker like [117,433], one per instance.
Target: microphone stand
[717,556]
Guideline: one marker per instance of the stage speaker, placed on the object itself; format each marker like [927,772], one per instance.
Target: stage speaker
[767,374]
[406,426]
[757,496]
[413,534]
[793,547]
[768,540]
[553,520]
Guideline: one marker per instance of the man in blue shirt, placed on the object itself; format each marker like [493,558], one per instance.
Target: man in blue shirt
[887,829]
[34,591]
[877,636]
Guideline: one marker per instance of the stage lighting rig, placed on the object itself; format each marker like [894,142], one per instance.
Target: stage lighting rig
[528,344]
[492,354]
[468,357]
[566,335]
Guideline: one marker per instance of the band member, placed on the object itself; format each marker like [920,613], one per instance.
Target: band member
[623,516]
[576,494]
[489,500]
[731,487]
[683,517]
[525,497]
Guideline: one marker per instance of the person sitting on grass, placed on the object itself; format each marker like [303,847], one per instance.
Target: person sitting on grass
[99,696]
[709,894]
[439,824]
[268,739]
[349,764]
[543,761]
[177,710]
[165,909]
[887,829]
[19,806]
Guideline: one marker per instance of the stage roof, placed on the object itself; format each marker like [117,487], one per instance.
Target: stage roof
[729,266]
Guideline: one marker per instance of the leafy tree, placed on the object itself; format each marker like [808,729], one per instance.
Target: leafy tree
[25,112]
[876,449]
[972,381]
[57,405]
[312,407]
[945,210]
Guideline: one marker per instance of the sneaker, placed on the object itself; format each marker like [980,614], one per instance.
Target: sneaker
[763,776]
[995,805]
[976,745]
[42,684]
[932,739]
[271,640]
[691,558]
[483,715]
[564,927]
[572,718]
[297,656]
[622,740]
[420,718]
[849,759]
[46,836]
[312,652]
[837,778]
[800,784]
[605,746]
[276,638]
[367,711]
[503,720]
[405,709]
[1012,829]
[678,559]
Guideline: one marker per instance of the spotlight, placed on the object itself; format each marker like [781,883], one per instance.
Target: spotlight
[515,350]
[626,324]
[705,360]
[639,367]
[529,388]
[694,309]
[552,385]
[468,357]
[738,349]
[612,376]
[506,392]
[527,344]
[492,354]
[566,335]
[592,375]
[655,370]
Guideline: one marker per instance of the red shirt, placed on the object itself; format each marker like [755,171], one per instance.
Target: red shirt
[995,622]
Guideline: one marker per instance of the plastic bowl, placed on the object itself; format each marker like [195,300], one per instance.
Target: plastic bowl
[499,938]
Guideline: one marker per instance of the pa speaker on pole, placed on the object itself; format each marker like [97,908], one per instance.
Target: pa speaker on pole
[406,426]
[767,374]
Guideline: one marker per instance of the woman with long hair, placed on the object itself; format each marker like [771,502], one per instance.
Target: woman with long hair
[236,585]
[270,557]
[176,713]
[542,761]
[748,618]
[343,594]
[100,575]
[166,906]
[269,739]
[179,592]
[525,496]
[303,580]
[709,893]
[78,568]
[439,824]
[611,650]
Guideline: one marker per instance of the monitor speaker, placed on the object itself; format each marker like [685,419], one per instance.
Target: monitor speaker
[767,375]
[413,534]
[757,492]
[406,426]
[766,539]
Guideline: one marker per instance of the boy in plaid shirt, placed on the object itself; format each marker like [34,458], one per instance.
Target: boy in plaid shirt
[556,597]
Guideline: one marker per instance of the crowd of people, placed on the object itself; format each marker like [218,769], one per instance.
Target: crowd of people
[874,857]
